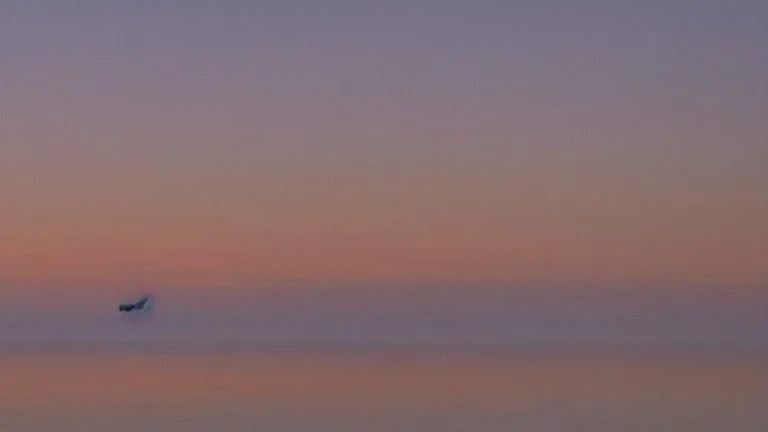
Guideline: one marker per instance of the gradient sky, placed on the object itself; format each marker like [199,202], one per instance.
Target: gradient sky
[242,146]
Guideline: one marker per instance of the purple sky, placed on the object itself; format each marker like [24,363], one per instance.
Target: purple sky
[617,149]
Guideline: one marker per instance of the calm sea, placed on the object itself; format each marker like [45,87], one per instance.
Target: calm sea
[333,388]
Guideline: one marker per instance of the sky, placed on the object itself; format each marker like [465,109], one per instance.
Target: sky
[564,165]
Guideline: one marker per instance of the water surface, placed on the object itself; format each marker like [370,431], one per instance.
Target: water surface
[333,388]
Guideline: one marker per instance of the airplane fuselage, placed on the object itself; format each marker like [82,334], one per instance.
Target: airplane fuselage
[128,307]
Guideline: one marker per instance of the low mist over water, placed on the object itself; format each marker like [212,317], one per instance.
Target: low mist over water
[391,313]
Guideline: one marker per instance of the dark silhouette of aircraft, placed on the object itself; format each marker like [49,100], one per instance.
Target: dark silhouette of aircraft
[139,305]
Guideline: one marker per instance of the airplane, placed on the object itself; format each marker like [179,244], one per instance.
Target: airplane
[139,305]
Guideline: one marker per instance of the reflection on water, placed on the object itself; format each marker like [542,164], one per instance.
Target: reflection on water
[380,389]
